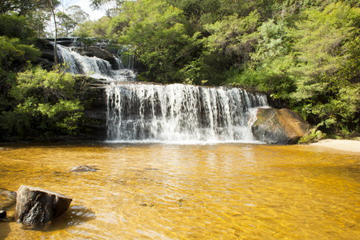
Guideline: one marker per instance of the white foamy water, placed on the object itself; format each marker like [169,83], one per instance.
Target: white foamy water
[180,113]
[93,66]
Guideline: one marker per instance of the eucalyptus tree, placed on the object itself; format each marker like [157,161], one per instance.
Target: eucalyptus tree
[70,19]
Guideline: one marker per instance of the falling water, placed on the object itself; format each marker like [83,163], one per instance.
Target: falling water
[93,66]
[180,113]
[167,113]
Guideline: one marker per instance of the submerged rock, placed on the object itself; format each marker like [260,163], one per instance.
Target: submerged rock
[7,199]
[84,168]
[36,207]
[278,126]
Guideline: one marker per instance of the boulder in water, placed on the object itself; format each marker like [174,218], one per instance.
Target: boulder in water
[279,126]
[36,207]
[84,168]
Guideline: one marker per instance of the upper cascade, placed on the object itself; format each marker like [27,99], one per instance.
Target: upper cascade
[94,66]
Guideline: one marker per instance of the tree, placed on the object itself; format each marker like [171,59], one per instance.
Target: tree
[96,29]
[159,39]
[69,20]
[326,76]
[52,9]
[233,36]
[66,24]
[113,7]
[22,7]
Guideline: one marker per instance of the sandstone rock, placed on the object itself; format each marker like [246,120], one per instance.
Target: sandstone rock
[36,206]
[279,126]
[84,168]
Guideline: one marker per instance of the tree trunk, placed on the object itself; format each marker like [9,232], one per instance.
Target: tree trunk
[55,42]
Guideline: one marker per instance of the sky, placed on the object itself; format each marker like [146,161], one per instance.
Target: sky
[85,5]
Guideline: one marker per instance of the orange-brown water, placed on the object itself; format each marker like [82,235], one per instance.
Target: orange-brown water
[191,192]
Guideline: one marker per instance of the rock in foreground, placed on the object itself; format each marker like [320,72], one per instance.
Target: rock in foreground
[36,206]
[279,126]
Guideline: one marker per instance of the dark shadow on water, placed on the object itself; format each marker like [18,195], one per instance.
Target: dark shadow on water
[75,215]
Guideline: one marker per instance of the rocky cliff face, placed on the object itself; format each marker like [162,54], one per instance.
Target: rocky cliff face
[92,96]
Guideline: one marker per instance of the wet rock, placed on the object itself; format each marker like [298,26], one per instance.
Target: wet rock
[147,204]
[7,199]
[279,126]
[37,207]
[84,168]
[2,214]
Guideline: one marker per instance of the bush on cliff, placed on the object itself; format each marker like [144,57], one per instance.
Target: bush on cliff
[47,105]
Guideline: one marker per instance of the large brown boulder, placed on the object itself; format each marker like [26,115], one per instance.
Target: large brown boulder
[279,126]
[36,206]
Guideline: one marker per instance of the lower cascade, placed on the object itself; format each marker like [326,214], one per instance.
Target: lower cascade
[180,113]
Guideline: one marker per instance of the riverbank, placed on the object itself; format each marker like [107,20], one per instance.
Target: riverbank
[338,144]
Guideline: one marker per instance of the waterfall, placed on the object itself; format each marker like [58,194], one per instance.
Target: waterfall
[93,66]
[174,113]
[180,113]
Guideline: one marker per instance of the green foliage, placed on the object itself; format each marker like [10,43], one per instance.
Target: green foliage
[23,7]
[14,26]
[272,43]
[327,67]
[319,47]
[266,71]
[94,29]
[46,104]
[233,36]
[159,39]
[69,20]
[34,102]
[313,135]
[312,65]
[276,84]
[14,55]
